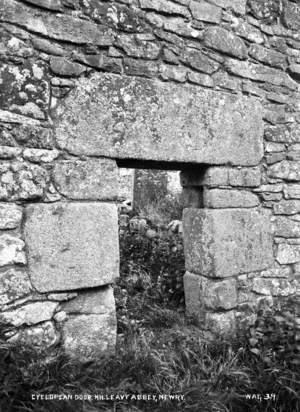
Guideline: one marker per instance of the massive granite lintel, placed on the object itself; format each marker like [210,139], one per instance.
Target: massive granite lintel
[130,117]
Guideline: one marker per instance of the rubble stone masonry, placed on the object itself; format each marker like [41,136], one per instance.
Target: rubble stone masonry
[211,86]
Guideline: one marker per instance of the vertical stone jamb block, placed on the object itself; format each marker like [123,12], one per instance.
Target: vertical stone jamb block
[221,244]
[227,242]
[73,246]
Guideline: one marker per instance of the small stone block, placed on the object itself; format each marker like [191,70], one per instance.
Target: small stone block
[90,336]
[288,254]
[94,179]
[97,301]
[222,324]
[223,198]
[10,215]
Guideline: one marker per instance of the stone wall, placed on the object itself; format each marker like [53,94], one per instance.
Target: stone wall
[209,87]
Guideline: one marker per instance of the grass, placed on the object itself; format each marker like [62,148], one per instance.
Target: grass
[166,357]
[160,351]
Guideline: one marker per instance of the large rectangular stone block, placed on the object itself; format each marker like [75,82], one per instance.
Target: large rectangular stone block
[72,245]
[145,119]
[221,243]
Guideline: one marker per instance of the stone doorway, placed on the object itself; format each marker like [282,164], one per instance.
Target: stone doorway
[70,229]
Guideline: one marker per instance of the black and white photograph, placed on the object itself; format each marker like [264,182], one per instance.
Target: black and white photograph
[149,205]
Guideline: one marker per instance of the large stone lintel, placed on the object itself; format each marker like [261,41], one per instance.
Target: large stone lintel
[128,117]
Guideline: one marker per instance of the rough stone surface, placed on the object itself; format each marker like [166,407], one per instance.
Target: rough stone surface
[40,337]
[260,73]
[30,314]
[287,170]
[40,155]
[277,272]
[54,5]
[220,295]
[222,243]
[205,11]
[61,297]
[70,29]
[98,301]
[215,176]
[21,181]
[14,284]
[222,176]
[169,72]
[29,134]
[223,324]
[287,207]
[10,216]
[222,198]
[286,227]
[64,67]
[71,245]
[288,253]
[178,26]
[164,6]
[248,32]
[140,49]
[274,287]
[291,15]
[265,9]
[239,6]
[222,40]
[192,289]
[292,191]
[203,295]
[200,78]
[94,179]
[11,250]
[124,117]
[101,61]
[7,152]
[249,177]
[270,57]
[283,134]
[90,336]
[24,90]
[199,61]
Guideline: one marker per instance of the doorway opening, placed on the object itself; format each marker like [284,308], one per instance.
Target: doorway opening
[150,293]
